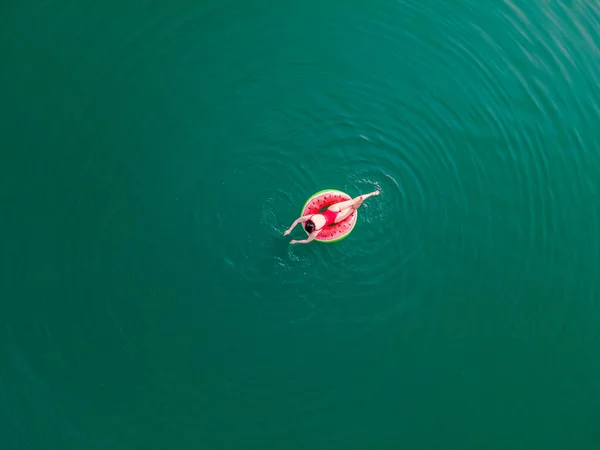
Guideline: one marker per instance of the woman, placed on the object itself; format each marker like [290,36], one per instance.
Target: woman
[334,214]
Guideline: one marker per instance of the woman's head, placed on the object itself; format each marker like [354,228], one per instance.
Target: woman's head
[309,226]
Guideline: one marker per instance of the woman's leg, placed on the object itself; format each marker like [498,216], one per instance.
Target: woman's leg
[355,202]
[337,207]
[344,213]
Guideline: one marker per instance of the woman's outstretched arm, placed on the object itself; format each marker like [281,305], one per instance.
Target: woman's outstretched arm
[306,241]
[296,222]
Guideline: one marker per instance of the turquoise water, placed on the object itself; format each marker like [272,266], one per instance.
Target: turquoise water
[153,154]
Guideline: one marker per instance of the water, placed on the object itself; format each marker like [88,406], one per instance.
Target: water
[153,155]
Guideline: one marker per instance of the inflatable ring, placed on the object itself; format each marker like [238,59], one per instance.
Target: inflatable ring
[323,199]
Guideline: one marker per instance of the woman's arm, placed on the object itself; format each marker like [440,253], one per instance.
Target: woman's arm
[306,241]
[296,222]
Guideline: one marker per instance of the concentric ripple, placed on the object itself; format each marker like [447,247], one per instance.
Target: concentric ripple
[157,153]
[459,161]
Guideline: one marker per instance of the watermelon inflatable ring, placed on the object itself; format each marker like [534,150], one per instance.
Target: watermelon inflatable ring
[322,200]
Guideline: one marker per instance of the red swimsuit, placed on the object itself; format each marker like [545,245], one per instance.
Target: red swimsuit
[330,217]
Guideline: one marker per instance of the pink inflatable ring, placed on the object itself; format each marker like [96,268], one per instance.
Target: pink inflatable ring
[322,200]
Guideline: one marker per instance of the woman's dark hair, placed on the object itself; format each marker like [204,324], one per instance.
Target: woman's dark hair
[309,226]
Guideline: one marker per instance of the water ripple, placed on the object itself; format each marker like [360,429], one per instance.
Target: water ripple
[410,162]
[490,89]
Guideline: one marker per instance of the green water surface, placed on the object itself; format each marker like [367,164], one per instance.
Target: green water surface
[153,153]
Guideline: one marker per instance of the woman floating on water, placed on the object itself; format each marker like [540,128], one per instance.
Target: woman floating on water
[335,213]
